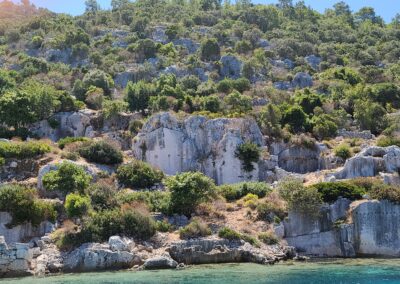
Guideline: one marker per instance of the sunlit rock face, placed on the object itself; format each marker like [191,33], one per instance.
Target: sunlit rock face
[198,144]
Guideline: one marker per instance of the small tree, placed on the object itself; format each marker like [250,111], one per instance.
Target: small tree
[248,153]
[138,175]
[67,178]
[76,205]
[209,50]
[188,190]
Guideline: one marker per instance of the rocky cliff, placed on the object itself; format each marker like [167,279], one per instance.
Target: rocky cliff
[345,229]
[198,144]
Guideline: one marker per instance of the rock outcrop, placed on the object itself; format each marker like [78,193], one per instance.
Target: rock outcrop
[15,260]
[212,250]
[345,229]
[160,262]
[22,232]
[230,67]
[95,257]
[198,144]
[370,162]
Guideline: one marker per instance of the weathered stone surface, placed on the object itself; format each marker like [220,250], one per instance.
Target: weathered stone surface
[117,243]
[15,260]
[160,262]
[370,161]
[22,232]
[302,80]
[367,135]
[376,228]
[93,257]
[197,144]
[189,44]
[299,159]
[211,250]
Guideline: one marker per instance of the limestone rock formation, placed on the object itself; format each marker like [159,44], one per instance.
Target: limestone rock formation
[345,229]
[94,257]
[370,162]
[15,260]
[302,80]
[198,144]
[21,232]
[212,250]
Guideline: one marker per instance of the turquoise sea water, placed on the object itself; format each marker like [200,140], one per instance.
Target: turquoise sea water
[374,271]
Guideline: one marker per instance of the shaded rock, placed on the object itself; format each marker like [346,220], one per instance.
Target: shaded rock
[160,262]
[302,80]
[230,67]
[299,159]
[189,44]
[313,61]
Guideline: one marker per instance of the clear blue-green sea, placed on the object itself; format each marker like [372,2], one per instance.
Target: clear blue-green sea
[328,271]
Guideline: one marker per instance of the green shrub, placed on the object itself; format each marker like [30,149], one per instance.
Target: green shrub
[188,190]
[101,152]
[299,198]
[164,226]
[196,229]
[156,201]
[103,195]
[331,191]
[229,234]
[138,175]
[385,141]
[268,238]
[270,212]
[2,161]
[232,192]
[23,150]
[67,178]
[128,222]
[386,192]
[24,206]
[250,239]
[343,151]
[76,205]
[248,153]
[68,140]
[210,50]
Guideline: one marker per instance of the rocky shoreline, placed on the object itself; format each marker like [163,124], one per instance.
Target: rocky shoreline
[42,257]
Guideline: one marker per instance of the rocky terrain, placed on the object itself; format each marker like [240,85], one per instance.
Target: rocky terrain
[164,134]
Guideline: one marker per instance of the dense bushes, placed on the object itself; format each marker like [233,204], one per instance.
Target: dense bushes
[127,221]
[101,152]
[24,206]
[67,178]
[138,175]
[331,191]
[229,234]
[232,192]
[23,150]
[386,192]
[188,190]
[156,201]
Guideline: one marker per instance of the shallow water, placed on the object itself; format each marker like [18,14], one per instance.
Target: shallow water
[329,271]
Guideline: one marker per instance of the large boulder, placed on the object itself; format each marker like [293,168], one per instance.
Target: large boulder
[187,43]
[160,262]
[302,80]
[94,257]
[313,61]
[198,144]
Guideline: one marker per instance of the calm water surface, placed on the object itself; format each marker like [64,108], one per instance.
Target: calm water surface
[374,271]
